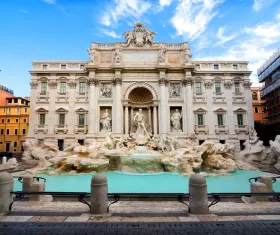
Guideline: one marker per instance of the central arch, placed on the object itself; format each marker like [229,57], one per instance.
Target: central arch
[140,96]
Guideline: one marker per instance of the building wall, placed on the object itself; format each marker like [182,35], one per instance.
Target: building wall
[257,105]
[3,96]
[14,124]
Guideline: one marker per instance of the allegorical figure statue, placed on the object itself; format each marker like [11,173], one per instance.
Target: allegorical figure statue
[176,121]
[91,53]
[188,55]
[117,56]
[161,56]
[128,37]
[139,120]
[106,121]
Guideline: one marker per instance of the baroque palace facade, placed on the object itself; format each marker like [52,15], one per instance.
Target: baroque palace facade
[82,101]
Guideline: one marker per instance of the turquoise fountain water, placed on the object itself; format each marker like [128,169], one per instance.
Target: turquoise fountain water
[150,183]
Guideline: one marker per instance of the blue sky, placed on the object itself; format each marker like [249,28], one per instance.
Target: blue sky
[62,30]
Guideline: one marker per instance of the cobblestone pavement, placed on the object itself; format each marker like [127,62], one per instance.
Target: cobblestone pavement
[165,228]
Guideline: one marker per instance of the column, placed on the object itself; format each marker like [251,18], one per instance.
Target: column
[189,104]
[150,116]
[211,117]
[72,101]
[131,116]
[91,104]
[33,117]
[163,105]
[230,117]
[118,104]
[155,124]
[248,96]
[52,89]
[126,120]
[184,109]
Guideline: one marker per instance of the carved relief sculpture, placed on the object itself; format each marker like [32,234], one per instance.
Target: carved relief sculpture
[72,84]
[247,84]
[33,84]
[228,84]
[52,84]
[106,121]
[176,121]
[208,84]
[91,53]
[106,90]
[175,90]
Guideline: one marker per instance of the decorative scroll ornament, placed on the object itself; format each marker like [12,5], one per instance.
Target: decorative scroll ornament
[72,84]
[91,53]
[247,84]
[117,80]
[187,81]
[54,65]
[52,84]
[93,81]
[33,84]
[140,36]
[106,90]
[208,84]
[163,80]
[228,84]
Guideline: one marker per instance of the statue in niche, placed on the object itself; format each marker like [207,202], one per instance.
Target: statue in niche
[139,120]
[175,90]
[106,121]
[117,56]
[176,121]
[106,91]
[91,53]
[161,56]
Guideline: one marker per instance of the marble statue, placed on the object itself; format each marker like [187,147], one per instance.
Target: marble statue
[161,56]
[175,90]
[174,143]
[139,119]
[106,121]
[106,91]
[117,56]
[91,53]
[176,121]
[4,160]
[128,37]
[275,147]
[188,55]
[162,142]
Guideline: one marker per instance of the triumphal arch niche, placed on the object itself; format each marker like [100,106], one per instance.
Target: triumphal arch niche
[139,87]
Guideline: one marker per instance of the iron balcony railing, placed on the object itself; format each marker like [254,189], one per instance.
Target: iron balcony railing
[270,88]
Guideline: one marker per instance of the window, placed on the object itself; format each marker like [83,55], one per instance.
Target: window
[222,141]
[9,110]
[42,119]
[8,120]
[15,101]
[8,131]
[2,131]
[22,101]
[4,110]
[16,120]
[254,96]
[216,66]
[63,66]
[81,142]
[16,131]
[24,120]
[197,66]
[82,66]
[236,88]
[23,131]
[3,120]
[82,87]
[256,110]
[198,88]
[25,110]
[240,119]
[45,66]
[63,87]
[81,119]
[17,110]
[217,87]
[44,87]
[241,142]
[220,119]
[60,144]
[61,119]
[9,101]
[200,119]
[235,67]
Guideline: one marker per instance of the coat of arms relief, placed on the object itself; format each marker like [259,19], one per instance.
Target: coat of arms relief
[139,36]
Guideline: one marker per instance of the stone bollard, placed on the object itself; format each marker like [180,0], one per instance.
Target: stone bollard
[267,181]
[198,195]
[99,194]
[4,160]
[37,187]
[257,187]
[6,187]
[27,183]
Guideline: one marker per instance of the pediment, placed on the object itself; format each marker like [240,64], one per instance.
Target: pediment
[81,110]
[240,110]
[61,110]
[220,110]
[42,110]
[200,110]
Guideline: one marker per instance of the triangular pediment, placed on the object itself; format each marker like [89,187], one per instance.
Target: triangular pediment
[42,110]
[200,110]
[81,110]
[240,110]
[220,110]
[61,110]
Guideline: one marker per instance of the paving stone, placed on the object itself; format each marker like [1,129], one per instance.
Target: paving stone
[15,218]
[76,219]
[188,219]
[209,217]
[236,218]
[268,217]
[47,218]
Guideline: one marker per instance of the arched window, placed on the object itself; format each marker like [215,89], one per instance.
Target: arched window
[254,96]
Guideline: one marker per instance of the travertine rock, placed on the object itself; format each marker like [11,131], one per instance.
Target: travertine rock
[275,147]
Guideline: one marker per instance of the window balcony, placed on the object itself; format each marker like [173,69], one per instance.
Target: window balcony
[201,128]
[221,128]
[43,96]
[61,128]
[238,97]
[199,97]
[82,96]
[41,128]
[81,128]
[241,128]
[62,96]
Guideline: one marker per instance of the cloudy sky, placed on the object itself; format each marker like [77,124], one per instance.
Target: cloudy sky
[62,30]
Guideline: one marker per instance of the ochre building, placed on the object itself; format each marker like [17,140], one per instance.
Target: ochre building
[14,124]
[258,108]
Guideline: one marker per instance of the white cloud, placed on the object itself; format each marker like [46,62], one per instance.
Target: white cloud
[50,1]
[277,16]
[260,4]
[110,33]
[222,38]
[164,3]
[123,9]
[23,11]
[193,16]
[203,42]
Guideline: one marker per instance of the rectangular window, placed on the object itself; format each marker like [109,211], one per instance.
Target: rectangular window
[24,120]
[15,101]
[8,131]
[9,101]
[63,66]
[16,131]
[222,141]
[45,66]
[81,119]
[3,120]
[200,119]
[23,131]
[82,66]
[60,144]
[217,87]
[236,88]
[44,87]
[216,66]
[200,142]
[61,119]
[4,110]
[63,87]
[8,120]
[42,119]
[197,66]
[81,142]
[198,88]
[82,87]
[25,110]
[240,120]
[15,144]
[16,120]
[256,110]
[17,110]
[22,101]
[220,119]
[2,131]
[235,67]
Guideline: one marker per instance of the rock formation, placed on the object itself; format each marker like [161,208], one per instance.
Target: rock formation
[275,147]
